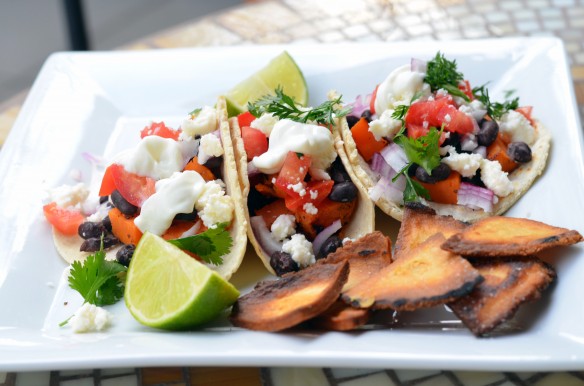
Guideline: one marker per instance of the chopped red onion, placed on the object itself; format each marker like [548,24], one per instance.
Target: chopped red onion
[267,241]
[395,156]
[324,235]
[475,197]
[418,65]
[388,190]
[252,170]
[188,149]
[482,150]
[361,104]
[468,142]
[381,167]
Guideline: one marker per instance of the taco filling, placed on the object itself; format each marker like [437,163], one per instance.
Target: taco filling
[300,197]
[426,135]
[174,184]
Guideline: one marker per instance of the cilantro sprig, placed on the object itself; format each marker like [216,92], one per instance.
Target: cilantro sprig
[97,279]
[495,109]
[210,245]
[284,107]
[443,73]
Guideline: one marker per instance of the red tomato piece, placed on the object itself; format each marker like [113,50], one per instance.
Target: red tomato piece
[161,130]
[245,119]
[466,89]
[293,171]
[108,184]
[373,98]
[437,112]
[272,211]
[526,111]
[315,193]
[134,188]
[66,221]
[254,141]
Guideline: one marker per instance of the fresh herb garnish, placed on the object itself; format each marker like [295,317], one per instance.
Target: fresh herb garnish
[495,109]
[284,107]
[97,280]
[195,111]
[443,74]
[210,245]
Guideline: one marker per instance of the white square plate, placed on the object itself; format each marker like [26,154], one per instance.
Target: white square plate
[93,102]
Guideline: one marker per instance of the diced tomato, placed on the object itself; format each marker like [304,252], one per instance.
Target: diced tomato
[245,119]
[373,98]
[315,193]
[294,171]
[66,221]
[466,89]
[254,141]
[272,211]
[108,184]
[526,111]
[134,188]
[161,130]
[365,141]
[437,112]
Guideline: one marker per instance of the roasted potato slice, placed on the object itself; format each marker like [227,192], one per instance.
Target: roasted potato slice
[296,297]
[507,236]
[419,223]
[366,256]
[341,317]
[508,283]
[425,277]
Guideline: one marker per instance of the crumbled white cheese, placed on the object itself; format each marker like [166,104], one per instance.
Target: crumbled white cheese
[466,164]
[67,196]
[495,178]
[211,145]
[517,127]
[210,188]
[385,126]
[265,123]
[300,249]
[219,209]
[90,318]
[472,106]
[298,188]
[204,122]
[284,226]
[313,194]
[310,208]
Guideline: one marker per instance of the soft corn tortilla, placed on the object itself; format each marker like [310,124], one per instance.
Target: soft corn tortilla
[362,221]
[68,246]
[522,179]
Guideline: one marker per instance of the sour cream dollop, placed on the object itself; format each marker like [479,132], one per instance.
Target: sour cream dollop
[154,157]
[399,88]
[287,135]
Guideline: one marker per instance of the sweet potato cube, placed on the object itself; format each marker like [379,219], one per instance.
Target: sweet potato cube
[507,236]
[296,297]
[508,283]
[425,277]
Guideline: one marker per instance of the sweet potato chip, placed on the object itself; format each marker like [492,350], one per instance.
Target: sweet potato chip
[366,256]
[341,317]
[425,277]
[508,283]
[420,223]
[507,236]
[298,296]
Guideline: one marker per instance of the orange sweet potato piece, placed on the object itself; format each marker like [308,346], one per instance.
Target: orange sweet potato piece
[445,191]
[204,171]
[497,151]
[124,228]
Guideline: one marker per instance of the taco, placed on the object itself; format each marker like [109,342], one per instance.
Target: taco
[174,183]
[302,199]
[425,135]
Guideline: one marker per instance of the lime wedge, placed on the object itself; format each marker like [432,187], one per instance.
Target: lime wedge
[281,71]
[168,289]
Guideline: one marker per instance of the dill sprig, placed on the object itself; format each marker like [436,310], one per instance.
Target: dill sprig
[284,107]
[443,74]
[495,110]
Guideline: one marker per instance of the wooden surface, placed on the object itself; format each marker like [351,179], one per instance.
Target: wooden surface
[332,21]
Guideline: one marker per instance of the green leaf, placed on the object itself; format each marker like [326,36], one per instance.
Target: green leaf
[96,279]
[195,111]
[423,150]
[414,190]
[210,245]
[442,73]
[495,109]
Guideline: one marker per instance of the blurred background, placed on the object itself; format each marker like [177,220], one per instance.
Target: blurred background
[30,30]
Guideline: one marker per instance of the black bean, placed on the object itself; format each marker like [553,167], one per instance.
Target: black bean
[439,173]
[343,192]
[488,131]
[282,262]
[214,164]
[475,180]
[351,120]
[519,152]
[367,115]
[107,223]
[186,216]
[124,206]
[329,246]
[452,140]
[338,172]
[256,200]
[94,244]
[103,199]
[412,169]
[88,230]
[124,254]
